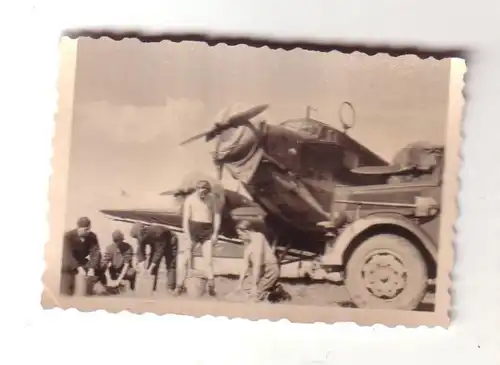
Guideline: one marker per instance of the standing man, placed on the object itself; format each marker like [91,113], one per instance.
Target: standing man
[81,254]
[201,224]
[258,254]
[163,244]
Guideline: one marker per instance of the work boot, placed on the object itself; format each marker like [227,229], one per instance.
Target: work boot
[178,291]
[211,288]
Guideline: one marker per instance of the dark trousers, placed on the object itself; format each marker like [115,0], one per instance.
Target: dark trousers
[170,258]
[130,276]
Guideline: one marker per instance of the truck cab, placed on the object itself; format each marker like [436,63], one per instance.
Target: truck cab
[383,238]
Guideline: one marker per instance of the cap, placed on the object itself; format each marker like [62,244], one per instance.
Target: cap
[136,229]
[117,235]
[83,222]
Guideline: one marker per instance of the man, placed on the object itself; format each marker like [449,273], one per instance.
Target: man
[258,254]
[81,254]
[201,224]
[117,261]
[163,244]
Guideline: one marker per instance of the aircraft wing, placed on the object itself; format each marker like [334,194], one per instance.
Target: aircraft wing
[227,247]
[147,216]
[170,220]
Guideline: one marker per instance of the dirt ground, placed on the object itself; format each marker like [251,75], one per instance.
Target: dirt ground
[301,292]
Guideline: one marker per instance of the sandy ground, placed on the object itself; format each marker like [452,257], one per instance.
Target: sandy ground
[302,292]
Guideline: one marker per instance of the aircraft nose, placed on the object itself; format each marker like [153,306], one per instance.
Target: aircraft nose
[234,144]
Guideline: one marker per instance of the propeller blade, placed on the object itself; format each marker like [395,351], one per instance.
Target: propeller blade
[234,121]
[249,114]
[209,134]
[219,165]
[178,193]
[194,138]
[169,192]
[219,168]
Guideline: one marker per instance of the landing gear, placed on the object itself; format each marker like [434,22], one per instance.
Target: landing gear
[386,271]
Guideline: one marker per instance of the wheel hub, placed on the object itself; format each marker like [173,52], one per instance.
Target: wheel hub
[384,275]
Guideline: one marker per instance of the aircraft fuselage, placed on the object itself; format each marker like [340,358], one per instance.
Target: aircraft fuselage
[292,173]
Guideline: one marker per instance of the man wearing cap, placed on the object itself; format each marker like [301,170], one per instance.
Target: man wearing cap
[81,254]
[117,261]
[163,244]
[201,224]
[258,254]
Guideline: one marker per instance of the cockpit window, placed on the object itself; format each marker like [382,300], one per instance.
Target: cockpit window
[305,126]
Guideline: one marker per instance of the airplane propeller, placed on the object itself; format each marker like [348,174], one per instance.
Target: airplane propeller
[234,121]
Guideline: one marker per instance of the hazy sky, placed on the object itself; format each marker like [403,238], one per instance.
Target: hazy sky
[134,103]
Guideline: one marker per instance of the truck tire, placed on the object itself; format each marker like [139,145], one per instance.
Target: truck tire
[386,271]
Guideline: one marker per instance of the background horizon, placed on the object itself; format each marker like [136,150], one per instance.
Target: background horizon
[134,103]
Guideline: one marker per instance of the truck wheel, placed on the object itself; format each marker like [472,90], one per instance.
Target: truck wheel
[386,271]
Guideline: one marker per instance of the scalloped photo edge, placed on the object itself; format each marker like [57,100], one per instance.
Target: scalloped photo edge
[338,177]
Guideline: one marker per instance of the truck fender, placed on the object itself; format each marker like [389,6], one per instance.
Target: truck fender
[334,256]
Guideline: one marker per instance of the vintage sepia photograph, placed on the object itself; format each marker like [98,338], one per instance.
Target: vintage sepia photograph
[254,182]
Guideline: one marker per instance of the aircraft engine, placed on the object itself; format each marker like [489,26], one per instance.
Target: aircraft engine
[236,137]
[239,142]
[235,144]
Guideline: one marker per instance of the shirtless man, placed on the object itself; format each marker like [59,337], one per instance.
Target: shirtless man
[258,254]
[201,224]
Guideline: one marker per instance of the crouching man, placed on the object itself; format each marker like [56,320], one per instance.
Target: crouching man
[163,244]
[259,255]
[117,262]
[81,255]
